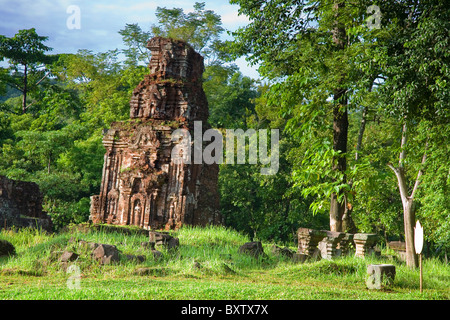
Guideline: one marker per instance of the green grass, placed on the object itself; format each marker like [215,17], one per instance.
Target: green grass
[207,265]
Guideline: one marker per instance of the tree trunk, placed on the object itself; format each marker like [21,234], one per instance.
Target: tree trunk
[409,216]
[25,89]
[340,134]
[340,125]
[362,128]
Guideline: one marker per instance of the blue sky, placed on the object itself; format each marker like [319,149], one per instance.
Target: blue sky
[100,21]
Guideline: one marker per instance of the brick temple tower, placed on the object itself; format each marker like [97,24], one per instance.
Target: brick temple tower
[141,184]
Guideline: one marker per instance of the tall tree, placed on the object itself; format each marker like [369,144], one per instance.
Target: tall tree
[340,120]
[25,49]
[200,28]
[311,51]
[135,39]
[416,92]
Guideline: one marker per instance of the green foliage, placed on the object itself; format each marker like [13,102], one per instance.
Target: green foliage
[63,212]
[26,47]
[270,209]
[433,195]
[229,95]
[135,39]
[200,28]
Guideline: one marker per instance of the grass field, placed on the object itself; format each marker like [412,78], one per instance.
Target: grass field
[207,266]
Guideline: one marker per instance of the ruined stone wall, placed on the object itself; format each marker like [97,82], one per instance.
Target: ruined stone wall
[21,205]
[141,185]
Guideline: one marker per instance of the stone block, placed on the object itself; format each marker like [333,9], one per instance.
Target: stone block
[163,239]
[159,238]
[400,249]
[21,205]
[365,243]
[68,256]
[254,249]
[299,258]
[308,240]
[328,245]
[380,276]
[106,254]
[345,245]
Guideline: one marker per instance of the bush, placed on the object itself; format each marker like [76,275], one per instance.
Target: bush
[63,213]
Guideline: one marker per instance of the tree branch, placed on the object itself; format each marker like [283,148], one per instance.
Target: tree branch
[399,173]
[402,147]
[45,76]
[419,174]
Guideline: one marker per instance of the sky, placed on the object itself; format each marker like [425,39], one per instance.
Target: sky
[100,21]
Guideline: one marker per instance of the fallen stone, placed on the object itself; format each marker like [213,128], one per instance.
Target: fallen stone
[286,252]
[254,249]
[150,272]
[159,238]
[345,245]
[163,239]
[135,258]
[380,276]
[68,256]
[399,248]
[299,258]
[21,205]
[156,254]
[106,254]
[7,248]
[173,243]
[328,245]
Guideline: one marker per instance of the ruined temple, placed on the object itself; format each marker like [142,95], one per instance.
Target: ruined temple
[141,184]
[21,205]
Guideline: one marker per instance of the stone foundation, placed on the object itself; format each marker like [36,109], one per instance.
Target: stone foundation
[330,244]
[308,240]
[365,243]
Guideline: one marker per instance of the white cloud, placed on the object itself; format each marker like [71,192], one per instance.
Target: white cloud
[231,20]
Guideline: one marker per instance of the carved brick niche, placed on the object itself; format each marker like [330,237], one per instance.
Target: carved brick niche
[141,185]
